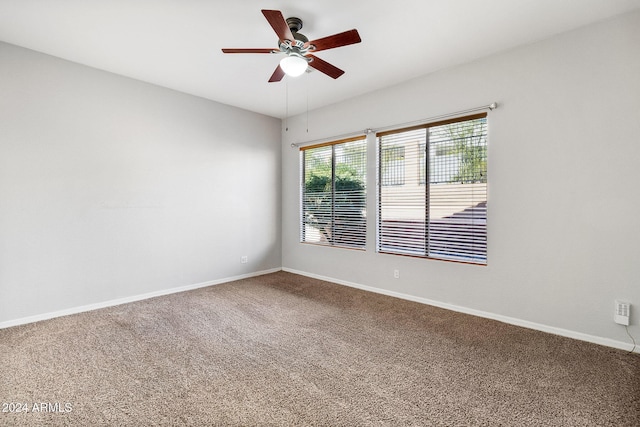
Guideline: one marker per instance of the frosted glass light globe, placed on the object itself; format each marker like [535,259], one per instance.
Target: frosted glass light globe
[293,66]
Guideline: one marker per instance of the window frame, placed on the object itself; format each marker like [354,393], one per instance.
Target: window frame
[425,187]
[350,223]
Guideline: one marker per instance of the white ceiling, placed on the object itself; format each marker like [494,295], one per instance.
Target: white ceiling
[176,43]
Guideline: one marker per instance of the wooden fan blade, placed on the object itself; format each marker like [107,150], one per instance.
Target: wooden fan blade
[248,51]
[277,75]
[337,40]
[278,23]
[324,67]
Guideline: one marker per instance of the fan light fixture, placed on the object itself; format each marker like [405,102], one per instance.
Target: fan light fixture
[293,65]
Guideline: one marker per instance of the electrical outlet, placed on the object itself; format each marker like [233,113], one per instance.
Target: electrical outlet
[396,274]
[244,259]
[622,312]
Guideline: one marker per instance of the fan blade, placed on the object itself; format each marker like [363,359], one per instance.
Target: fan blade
[248,51]
[336,40]
[277,75]
[325,67]
[278,23]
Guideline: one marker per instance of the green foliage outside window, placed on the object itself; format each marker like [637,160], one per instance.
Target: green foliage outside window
[335,205]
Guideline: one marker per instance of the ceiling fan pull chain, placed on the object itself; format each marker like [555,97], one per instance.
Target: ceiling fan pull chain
[286,114]
[306,83]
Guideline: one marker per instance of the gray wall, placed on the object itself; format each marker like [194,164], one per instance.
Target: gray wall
[564,168]
[112,188]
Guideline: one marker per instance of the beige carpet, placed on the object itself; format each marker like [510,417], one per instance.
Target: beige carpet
[283,349]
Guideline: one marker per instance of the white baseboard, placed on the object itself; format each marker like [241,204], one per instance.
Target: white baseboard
[505,319]
[133,298]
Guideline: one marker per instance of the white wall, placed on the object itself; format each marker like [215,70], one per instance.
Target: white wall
[112,188]
[564,168]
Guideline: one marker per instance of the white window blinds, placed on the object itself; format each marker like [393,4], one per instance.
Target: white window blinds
[333,205]
[439,209]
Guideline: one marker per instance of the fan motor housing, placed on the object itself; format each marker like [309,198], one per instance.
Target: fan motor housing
[297,45]
[300,37]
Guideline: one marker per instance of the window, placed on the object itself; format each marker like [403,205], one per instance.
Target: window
[333,194]
[441,211]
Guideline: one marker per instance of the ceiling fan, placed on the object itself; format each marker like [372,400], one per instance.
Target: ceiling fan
[298,49]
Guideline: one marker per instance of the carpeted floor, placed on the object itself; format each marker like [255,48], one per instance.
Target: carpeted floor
[283,349]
